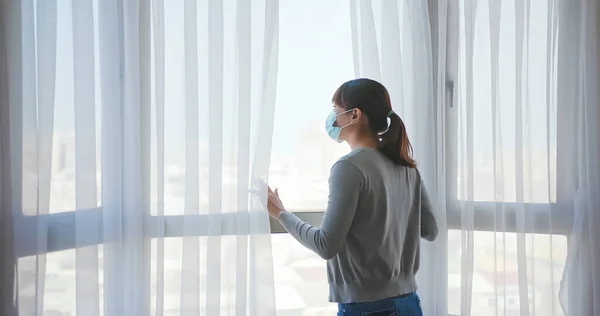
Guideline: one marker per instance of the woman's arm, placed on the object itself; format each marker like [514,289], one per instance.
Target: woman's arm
[429,228]
[345,185]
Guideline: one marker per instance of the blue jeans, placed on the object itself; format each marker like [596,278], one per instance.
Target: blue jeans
[404,305]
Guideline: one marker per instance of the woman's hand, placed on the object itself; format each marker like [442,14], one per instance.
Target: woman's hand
[274,205]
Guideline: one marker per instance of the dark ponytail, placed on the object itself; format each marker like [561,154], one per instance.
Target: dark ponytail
[373,99]
[395,144]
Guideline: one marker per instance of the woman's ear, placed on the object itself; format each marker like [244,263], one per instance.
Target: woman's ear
[356,115]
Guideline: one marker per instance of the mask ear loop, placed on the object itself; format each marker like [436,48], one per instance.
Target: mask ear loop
[341,114]
[338,114]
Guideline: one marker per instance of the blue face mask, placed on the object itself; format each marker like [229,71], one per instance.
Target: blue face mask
[332,130]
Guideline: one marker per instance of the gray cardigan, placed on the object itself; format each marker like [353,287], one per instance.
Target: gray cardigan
[370,235]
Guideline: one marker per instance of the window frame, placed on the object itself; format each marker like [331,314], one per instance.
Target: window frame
[541,218]
[61,228]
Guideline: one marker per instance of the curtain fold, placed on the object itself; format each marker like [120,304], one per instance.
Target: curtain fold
[110,48]
[7,253]
[86,256]
[139,145]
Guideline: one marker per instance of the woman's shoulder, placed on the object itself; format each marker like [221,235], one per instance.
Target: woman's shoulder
[372,162]
[367,160]
[366,154]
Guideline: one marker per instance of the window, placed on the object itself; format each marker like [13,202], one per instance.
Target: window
[52,209]
[502,125]
[314,59]
[510,137]
[77,142]
[300,162]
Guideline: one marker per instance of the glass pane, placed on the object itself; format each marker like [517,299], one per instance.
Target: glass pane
[314,59]
[183,274]
[496,273]
[186,146]
[513,135]
[61,115]
[300,279]
[59,281]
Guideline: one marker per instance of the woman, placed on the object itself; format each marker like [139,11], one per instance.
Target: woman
[377,209]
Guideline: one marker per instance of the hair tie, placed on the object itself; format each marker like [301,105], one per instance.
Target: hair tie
[390,113]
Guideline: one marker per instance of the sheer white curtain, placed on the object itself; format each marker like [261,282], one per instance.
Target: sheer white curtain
[526,107]
[505,135]
[140,135]
[579,111]
[511,248]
